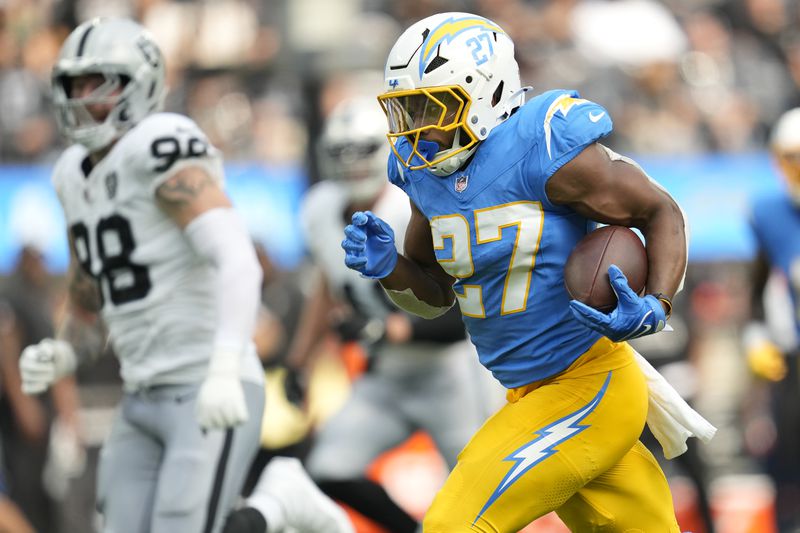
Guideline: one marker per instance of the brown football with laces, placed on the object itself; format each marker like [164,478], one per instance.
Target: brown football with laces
[586,270]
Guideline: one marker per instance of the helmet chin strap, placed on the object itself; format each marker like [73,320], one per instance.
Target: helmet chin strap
[453,162]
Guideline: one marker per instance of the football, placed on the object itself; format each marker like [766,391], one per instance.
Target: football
[586,271]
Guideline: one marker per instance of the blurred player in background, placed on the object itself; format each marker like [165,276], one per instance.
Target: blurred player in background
[501,190]
[159,252]
[776,225]
[11,517]
[26,422]
[421,373]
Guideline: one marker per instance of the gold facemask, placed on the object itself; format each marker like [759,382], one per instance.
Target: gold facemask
[415,111]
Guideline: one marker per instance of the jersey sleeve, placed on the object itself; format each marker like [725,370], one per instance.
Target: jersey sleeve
[66,165]
[564,125]
[320,205]
[165,143]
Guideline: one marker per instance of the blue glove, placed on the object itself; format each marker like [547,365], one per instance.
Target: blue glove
[369,246]
[633,317]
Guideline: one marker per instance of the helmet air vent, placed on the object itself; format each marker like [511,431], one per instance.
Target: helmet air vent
[437,62]
[498,93]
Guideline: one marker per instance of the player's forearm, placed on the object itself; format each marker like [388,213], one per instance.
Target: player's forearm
[665,234]
[66,400]
[81,325]
[85,332]
[11,518]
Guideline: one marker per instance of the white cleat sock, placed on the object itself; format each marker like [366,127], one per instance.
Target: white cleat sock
[270,509]
[290,501]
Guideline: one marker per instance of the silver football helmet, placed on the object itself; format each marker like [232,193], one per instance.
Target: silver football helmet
[454,72]
[785,145]
[352,149]
[132,70]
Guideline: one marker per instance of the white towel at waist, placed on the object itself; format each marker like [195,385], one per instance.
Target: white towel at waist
[669,417]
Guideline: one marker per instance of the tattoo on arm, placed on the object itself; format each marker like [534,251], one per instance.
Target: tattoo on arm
[81,326]
[84,292]
[183,188]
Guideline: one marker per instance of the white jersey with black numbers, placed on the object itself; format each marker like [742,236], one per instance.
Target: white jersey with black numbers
[323,219]
[159,299]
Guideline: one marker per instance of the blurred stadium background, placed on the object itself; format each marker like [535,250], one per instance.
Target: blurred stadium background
[693,87]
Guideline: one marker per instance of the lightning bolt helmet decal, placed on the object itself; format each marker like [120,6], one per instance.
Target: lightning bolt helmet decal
[453,72]
[447,31]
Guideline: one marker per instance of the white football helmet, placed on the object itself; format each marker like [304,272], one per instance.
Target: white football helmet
[453,72]
[132,67]
[352,149]
[785,145]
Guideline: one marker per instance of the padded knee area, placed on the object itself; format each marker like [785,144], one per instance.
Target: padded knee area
[631,496]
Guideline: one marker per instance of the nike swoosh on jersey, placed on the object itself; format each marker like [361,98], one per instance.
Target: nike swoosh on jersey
[595,118]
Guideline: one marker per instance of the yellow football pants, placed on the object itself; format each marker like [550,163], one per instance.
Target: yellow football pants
[567,444]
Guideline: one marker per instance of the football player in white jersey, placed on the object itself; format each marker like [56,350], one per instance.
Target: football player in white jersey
[158,250]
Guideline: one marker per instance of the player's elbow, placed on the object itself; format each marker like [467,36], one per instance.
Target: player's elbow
[673,214]
[663,211]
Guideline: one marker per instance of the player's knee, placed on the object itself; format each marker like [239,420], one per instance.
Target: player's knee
[187,486]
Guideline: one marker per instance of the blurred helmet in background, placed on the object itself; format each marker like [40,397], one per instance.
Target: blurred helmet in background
[454,72]
[131,67]
[353,150]
[785,145]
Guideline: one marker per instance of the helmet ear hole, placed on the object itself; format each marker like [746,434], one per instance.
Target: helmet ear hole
[498,93]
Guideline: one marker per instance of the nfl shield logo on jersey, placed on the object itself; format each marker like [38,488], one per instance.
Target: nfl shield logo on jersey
[461,183]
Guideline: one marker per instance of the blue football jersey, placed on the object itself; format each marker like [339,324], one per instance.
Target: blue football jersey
[776,223]
[497,233]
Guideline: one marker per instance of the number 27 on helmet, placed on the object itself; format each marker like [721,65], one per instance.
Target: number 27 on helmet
[449,80]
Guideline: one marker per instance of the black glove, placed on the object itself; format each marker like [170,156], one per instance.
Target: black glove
[294,386]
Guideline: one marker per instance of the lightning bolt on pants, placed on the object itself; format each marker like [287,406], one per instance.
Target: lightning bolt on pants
[567,444]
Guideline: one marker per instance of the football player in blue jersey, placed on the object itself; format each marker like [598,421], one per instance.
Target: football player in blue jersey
[501,191]
[776,224]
